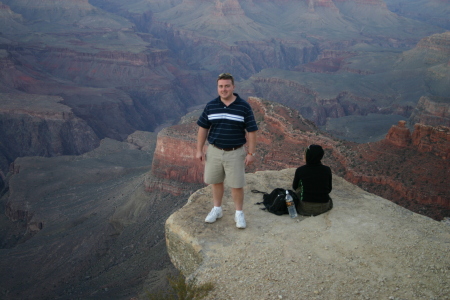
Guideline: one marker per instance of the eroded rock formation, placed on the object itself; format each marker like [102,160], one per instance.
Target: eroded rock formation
[425,138]
[432,139]
[399,135]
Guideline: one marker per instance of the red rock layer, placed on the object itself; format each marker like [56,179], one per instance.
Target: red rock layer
[432,139]
[174,169]
[104,67]
[425,138]
[413,179]
[399,135]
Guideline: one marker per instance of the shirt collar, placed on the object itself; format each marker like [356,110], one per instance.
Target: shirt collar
[238,99]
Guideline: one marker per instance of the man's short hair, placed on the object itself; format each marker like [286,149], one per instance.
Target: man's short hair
[226,76]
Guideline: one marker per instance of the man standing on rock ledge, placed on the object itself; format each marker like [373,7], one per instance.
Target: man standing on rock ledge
[227,122]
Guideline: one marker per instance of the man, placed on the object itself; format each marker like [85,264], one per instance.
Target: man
[225,122]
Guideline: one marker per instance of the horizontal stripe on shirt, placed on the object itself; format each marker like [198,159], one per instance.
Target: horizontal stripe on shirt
[226,116]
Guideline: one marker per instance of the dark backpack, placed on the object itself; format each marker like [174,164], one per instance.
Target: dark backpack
[275,202]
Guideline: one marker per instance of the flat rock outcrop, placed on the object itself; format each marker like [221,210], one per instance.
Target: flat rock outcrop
[366,247]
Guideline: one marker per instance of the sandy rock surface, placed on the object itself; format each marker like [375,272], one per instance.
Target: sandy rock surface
[366,247]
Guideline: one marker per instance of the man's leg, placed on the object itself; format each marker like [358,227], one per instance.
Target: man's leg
[216,212]
[235,170]
[238,198]
[214,173]
[217,190]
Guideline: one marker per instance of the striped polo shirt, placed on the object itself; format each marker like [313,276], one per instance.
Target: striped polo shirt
[227,124]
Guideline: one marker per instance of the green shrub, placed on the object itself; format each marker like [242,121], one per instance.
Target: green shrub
[182,290]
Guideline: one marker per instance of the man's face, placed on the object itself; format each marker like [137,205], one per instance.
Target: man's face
[225,88]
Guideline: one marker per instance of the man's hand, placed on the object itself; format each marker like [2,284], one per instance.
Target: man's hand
[201,138]
[200,155]
[249,159]
[251,139]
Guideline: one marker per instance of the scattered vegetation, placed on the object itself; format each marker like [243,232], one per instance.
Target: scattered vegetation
[182,289]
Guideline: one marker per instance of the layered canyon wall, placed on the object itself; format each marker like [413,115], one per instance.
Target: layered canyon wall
[433,111]
[37,125]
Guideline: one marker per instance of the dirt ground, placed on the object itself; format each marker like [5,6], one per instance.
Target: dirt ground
[366,247]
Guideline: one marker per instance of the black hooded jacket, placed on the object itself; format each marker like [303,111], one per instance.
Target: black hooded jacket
[313,180]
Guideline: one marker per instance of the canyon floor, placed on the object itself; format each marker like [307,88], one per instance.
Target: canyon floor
[89,229]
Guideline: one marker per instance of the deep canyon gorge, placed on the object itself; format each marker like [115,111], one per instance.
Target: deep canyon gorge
[99,98]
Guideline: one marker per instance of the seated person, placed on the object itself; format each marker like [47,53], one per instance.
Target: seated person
[312,183]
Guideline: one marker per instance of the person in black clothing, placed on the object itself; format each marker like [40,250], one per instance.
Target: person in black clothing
[313,183]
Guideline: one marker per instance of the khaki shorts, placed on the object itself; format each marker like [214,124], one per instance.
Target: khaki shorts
[222,164]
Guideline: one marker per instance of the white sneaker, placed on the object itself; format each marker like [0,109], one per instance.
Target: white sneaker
[214,214]
[240,220]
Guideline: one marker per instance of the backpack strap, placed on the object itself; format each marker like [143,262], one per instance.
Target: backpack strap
[259,203]
[256,191]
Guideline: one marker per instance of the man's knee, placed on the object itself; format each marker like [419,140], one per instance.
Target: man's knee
[237,192]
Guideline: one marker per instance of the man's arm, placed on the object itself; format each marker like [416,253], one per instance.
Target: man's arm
[251,140]
[201,139]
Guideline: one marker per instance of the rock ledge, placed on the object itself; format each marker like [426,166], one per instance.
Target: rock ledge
[365,248]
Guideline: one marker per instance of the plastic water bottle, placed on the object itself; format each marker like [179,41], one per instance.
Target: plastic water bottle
[290,205]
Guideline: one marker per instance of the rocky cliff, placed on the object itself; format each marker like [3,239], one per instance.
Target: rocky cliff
[84,226]
[40,125]
[425,138]
[245,37]
[111,80]
[432,11]
[12,21]
[313,105]
[437,44]
[407,168]
[399,135]
[64,10]
[365,247]
[433,111]
[174,169]
[432,139]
